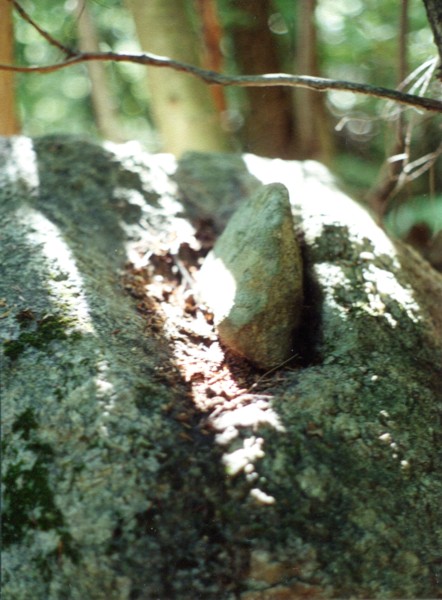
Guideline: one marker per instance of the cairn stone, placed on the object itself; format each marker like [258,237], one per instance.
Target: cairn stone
[252,279]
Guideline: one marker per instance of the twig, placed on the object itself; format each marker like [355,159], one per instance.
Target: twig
[319,84]
[264,375]
[47,36]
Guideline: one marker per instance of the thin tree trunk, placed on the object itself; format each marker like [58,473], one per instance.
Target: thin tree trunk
[213,57]
[379,196]
[313,135]
[269,123]
[434,14]
[182,106]
[106,115]
[8,118]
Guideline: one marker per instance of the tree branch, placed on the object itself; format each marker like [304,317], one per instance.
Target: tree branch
[319,84]
[47,36]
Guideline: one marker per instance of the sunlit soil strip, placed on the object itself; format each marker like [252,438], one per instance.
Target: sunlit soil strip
[226,402]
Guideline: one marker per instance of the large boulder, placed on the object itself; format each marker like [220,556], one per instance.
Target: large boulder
[139,460]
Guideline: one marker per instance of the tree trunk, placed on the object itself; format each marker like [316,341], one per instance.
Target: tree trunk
[313,134]
[183,107]
[141,459]
[378,197]
[106,114]
[434,14]
[268,129]
[8,116]
[213,58]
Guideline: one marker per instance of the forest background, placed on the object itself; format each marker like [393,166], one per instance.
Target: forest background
[386,155]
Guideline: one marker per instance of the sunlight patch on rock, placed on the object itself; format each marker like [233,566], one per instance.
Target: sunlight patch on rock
[64,281]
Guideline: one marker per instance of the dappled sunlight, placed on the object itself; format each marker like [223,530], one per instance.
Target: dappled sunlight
[237,432]
[154,173]
[221,300]
[226,394]
[229,399]
[381,284]
[63,281]
[318,203]
[379,288]
[314,192]
[165,443]
[62,278]
[337,278]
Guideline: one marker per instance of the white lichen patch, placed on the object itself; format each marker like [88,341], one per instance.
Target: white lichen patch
[336,278]
[382,287]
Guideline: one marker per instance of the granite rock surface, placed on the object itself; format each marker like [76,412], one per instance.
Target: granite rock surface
[121,483]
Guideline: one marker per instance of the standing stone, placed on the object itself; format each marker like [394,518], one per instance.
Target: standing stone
[252,279]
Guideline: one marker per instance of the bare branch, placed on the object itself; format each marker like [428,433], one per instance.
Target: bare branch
[319,84]
[47,36]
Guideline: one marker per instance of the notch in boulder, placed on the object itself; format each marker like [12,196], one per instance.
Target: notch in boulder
[252,279]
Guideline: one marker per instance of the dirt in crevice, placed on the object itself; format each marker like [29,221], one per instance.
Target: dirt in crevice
[219,380]
[208,382]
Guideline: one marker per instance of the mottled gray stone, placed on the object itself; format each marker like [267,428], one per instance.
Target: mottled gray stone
[223,183]
[118,484]
[252,279]
[85,437]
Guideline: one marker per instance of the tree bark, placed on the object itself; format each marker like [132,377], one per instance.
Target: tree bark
[434,14]
[8,117]
[379,196]
[183,107]
[268,129]
[313,134]
[106,114]
[213,58]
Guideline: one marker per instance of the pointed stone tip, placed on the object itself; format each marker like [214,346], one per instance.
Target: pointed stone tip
[252,279]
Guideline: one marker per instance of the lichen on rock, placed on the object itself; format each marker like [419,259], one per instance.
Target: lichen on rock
[141,462]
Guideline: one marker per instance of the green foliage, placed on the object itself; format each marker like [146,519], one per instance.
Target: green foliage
[60,102]
[421,209]
[46,102]
[356,171]
[358,41]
